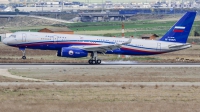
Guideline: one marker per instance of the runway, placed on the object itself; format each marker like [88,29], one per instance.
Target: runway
[57,65]
[50,66]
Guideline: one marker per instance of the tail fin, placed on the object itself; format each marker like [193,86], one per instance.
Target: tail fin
[181,30]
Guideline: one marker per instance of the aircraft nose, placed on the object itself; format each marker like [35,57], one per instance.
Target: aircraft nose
[4,41]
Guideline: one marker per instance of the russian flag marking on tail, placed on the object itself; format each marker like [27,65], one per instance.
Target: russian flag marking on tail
[179,29]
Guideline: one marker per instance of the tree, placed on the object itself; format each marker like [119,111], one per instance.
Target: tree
[195,31]
[16,10]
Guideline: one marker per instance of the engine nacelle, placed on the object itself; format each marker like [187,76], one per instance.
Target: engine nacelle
[72,52]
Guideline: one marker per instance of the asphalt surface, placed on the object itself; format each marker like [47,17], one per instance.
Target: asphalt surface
[104,63]
[46,66]
[49,66]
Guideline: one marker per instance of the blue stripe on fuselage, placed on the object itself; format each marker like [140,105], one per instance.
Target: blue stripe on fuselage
[51,45]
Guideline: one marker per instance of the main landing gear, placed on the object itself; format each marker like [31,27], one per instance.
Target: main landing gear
[23,52]
[94,59]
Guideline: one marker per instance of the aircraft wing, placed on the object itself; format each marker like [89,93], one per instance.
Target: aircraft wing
[103,48]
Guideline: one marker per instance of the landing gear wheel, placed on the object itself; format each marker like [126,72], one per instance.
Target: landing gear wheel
[23,57]
[90,61]
[94,59]
[98,61]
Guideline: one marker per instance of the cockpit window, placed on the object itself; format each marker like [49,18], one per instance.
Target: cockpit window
[12,36]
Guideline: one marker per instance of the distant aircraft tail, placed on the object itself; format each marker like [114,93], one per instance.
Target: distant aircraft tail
[181,30]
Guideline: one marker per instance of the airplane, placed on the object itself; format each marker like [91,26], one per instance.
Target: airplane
[77,46]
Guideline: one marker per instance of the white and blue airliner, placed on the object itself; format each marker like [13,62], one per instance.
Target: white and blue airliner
[77,46]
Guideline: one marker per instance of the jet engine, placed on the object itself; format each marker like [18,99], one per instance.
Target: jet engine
[72,52]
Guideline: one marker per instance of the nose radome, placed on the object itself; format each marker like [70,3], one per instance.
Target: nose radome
[4,41]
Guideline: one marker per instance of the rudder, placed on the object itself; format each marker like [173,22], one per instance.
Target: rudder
[180,31]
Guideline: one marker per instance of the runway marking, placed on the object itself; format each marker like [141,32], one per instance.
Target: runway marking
[5,73]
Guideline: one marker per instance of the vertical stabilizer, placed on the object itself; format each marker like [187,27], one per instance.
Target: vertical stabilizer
[181,30]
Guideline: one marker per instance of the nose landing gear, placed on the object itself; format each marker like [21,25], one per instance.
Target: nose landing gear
[23,57]
[23,52]
[94,59]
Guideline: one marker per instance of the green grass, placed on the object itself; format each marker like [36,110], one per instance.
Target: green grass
[31,30]
[117,25]
[27,28]
[132,28]
[138,33]
[138,27]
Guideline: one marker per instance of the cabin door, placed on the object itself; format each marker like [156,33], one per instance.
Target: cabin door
[23,37]
[158,46]
[55,38]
